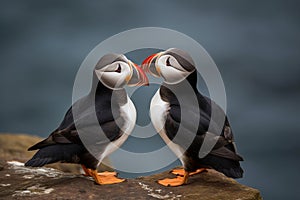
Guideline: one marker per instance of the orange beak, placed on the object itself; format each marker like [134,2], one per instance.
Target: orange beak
[138,77]
[148,65]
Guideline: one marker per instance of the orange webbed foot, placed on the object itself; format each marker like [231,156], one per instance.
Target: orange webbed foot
[173,182]
[107,173]
[102,178]
[198,171]
[105,178]
[180,172]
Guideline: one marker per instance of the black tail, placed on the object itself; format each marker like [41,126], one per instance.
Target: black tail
[230,168]
[55,153]
[40,145]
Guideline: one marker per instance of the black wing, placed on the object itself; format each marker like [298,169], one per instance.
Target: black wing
[87,119]
[224,146]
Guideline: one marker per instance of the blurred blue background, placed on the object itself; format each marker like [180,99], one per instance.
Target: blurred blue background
[255,44]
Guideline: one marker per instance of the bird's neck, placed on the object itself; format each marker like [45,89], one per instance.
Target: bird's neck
[98,88]
[186,86]
[100,92]
[186,90]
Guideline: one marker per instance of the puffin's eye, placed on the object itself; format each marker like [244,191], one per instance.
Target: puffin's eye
[119,69]
[168,62]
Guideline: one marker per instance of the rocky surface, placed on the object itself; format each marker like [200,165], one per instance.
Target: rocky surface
[19,182]
[14,147]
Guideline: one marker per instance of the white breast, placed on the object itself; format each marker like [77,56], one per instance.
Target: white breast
[158,112]
[128,113]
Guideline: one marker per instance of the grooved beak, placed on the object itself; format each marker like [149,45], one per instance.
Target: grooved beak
[138,77]
[148,65]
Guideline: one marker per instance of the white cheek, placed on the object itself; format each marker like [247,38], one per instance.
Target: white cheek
[112,80]
[172,75]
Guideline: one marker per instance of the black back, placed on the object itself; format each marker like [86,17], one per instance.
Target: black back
[224,148]
[64,144]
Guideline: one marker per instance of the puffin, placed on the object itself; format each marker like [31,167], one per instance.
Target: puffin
[106,106]
[174,116]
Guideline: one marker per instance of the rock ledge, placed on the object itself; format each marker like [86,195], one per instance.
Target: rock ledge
[19,182]
[65,182]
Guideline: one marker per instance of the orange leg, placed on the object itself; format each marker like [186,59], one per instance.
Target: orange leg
[179,180]
[180,172]
[105,178]
[86,171]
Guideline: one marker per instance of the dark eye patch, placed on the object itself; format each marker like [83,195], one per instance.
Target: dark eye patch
[119,69]
[168,62]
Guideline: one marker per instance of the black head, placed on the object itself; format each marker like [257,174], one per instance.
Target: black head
[174,65]
[115,71]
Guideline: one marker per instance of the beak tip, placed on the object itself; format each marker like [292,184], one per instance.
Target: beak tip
[142,76]
[145,80]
